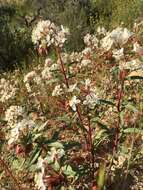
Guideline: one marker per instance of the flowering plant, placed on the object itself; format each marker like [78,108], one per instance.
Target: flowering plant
[68,122]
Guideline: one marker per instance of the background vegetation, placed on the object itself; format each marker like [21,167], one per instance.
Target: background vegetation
[17,18]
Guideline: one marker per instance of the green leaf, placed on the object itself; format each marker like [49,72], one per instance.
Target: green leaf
[101,177]
[100,137]
[34,156]
[106,102]
[56,145]
[71,188]
[131,108]
[68,171]
[71,144]
[133,130]
[36,136]
[135,77]
[100,134]
[18,163]
[56,166]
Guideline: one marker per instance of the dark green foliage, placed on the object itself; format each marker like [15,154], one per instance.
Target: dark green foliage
[80,16]
[15,37]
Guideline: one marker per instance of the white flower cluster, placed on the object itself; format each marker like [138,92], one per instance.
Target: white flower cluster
[7,90]
[53,155]
[91,41]
[57,91]
[75,57]
[86,57]
[46,33]
[74,102]
[41,75]
[31,77]
[117,37]
[13,113]
[118,54]
[19,128]
[131,65]
[73,87]
[92,98]
[18,122]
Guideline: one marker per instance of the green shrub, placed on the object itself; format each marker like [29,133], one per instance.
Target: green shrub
[111,13]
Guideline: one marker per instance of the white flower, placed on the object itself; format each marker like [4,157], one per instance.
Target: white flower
[48,62]
[75,57]
[60,39]
[118,36]
[72,88]
[57,91]
[13,113]
[86,51]
[54,154]
[30,76]
[43,29]
[47,33]
[91,40]
[73,102]
[19,127]
[46,73]
[85,62]
[28,87]
[54,67]
[87,39]
[37,80]
[121,35]
[131,65]
[107,42]
[91,100]
[118,54]
[87,83]
[8,89]
[137,48]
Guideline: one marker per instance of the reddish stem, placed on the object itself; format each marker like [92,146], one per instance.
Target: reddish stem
[62,66]
[89,139]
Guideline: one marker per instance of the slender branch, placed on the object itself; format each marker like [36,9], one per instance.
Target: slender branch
[67,84]
[62,66]
[89,131]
